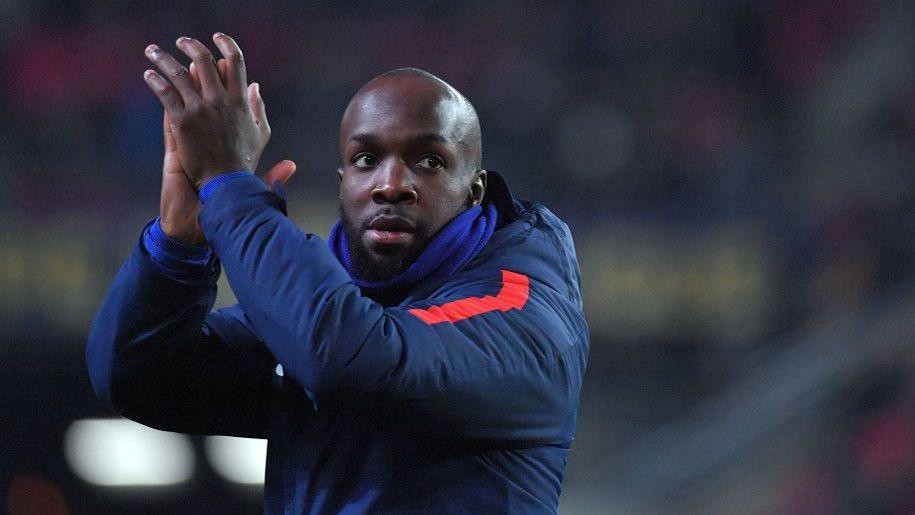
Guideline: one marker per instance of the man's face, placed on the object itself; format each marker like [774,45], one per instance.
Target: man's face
[405,173]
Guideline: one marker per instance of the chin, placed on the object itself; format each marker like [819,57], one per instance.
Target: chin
[381,252]
[381,267]
[382,262]
[375,261]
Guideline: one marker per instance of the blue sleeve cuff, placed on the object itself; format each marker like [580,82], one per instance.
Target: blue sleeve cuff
[211,186]
[161,244]
[183,263]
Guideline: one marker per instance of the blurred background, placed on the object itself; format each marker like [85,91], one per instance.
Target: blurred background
[738,176]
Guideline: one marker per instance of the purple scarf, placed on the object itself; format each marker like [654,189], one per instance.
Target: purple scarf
[459,241]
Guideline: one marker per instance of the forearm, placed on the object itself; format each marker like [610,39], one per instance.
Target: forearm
[284,279]
[157,355]
[143,313]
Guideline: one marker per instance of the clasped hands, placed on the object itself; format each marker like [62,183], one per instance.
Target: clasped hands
[215,123]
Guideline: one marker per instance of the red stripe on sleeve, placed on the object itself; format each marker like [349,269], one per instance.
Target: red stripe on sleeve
[513,295]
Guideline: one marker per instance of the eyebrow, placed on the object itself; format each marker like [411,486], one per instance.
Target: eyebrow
[371,139]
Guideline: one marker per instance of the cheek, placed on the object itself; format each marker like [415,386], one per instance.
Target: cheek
[454,194]
[351,191]
[445,204]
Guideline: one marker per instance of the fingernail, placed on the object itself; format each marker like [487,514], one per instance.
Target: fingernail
[218,35]
[152,50]
[257,88]
[182,39]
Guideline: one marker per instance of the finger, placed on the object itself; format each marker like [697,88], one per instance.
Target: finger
[205,66]
[221,66]
[256,102]
[281,172]
[236,76]
[165,92]
[175,72]
[194,75]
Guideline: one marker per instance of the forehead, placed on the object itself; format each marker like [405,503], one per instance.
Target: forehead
[402,111]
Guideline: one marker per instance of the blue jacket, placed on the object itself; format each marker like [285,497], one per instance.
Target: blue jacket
[459,398]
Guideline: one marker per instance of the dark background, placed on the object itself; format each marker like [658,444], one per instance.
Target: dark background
[738,177]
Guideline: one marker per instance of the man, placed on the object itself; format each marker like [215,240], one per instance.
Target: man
[428,360]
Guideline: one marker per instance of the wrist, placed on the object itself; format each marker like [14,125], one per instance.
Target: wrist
[190,238]
[209,186]
[161,244]
[209,174]
[204,179]
[179,262]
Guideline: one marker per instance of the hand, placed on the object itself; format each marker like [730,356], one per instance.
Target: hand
[178,203]
[220,126]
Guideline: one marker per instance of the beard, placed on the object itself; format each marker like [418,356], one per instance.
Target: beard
[377,266]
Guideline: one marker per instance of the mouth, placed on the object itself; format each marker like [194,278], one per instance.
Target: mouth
[390,230]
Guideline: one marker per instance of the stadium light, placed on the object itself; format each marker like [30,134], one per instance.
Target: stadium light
[240,460]
[119,452]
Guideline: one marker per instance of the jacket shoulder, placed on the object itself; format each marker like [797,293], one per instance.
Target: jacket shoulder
[536,249]
[539,245]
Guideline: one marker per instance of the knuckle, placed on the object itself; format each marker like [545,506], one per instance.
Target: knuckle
[236,57]
[169,96]
[178,72]
[192,111]
[204,58]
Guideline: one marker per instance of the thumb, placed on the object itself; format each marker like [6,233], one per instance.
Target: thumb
[281,172]
[256,103]
[170,144]
[171,162]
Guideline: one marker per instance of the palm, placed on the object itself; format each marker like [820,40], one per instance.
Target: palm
[178,205]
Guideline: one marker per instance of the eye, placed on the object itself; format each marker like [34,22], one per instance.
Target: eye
[363,160]
[432,161]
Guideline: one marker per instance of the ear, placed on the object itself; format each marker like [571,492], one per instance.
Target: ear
[478,187]
[340,180]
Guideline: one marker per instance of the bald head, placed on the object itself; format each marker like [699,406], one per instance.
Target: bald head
[410,98]
[410,148]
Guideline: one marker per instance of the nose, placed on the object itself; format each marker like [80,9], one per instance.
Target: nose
[394,184]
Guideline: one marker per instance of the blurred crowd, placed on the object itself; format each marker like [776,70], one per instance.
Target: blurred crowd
[657,129]
[867,462]
[730,170]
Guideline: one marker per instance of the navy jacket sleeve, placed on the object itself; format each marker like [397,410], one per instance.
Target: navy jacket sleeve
[506,374]
[157,355]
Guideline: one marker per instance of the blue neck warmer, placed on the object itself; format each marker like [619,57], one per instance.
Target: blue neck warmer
[459,241]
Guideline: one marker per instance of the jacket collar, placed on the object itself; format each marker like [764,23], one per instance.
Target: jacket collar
[498,193]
